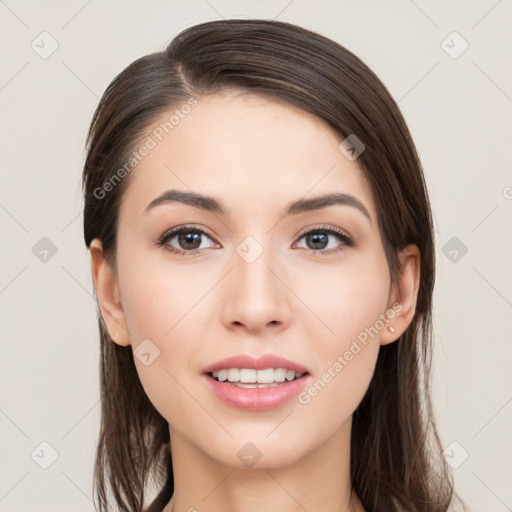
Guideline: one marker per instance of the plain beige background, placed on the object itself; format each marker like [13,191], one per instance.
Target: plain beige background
[457,102]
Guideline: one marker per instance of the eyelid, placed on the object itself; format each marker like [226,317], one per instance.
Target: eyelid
[323,227]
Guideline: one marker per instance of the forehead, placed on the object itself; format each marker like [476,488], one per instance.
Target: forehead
[244,148]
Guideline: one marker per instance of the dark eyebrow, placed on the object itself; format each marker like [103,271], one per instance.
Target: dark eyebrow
[191,198]
[315,203]
[211,204]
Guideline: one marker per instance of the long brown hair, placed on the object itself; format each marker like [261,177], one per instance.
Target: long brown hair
[396,460]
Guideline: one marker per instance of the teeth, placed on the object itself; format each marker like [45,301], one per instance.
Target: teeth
[248,375]
[251,376]
[290,375]
[243,385]
[280,375]
[233,375]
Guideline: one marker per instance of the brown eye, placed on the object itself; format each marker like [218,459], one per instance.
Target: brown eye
[187,240]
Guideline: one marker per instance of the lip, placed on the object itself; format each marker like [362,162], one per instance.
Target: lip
[256,399]
[259,363]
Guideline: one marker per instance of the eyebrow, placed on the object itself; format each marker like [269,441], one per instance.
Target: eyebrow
[210,204]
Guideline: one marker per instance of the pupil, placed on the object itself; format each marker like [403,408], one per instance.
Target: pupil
[190,237]
[315,240]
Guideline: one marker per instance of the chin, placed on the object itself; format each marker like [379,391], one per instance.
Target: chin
[256,452]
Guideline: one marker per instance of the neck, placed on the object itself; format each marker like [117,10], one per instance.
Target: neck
[320,480]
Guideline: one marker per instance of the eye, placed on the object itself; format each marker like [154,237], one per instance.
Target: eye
[187,237]
[188,240]
[317,240]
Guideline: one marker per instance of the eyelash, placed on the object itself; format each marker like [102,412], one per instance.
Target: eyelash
[168,235]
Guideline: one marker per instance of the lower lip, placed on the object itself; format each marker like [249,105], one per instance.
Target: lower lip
[256,399]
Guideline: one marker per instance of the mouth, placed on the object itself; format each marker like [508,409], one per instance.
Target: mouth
[252,378]
[256,383]
[242,387]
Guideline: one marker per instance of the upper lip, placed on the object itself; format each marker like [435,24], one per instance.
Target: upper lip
[256,363]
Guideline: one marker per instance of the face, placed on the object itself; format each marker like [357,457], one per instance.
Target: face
[311,286]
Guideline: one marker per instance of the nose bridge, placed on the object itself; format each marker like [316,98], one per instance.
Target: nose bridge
[255,295]
[252,267]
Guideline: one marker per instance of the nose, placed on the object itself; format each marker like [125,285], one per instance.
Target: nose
[256,296]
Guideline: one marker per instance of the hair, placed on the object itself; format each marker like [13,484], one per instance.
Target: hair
[396,460]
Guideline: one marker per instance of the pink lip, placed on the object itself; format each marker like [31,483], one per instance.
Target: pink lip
[260,363]
[256,399]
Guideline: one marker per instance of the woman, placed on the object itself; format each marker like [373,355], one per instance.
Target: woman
[263,258]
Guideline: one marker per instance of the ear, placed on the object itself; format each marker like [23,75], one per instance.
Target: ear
[404,299]
[107,292]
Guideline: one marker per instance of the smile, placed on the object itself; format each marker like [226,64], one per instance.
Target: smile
[254,396]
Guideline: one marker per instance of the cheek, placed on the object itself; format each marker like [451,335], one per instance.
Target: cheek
[344,364]
[345,299]
[158,297]
[158,317]
[333,396]
[160,304]
[347,302]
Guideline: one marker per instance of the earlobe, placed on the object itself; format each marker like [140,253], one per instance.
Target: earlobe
[405,304]
[107,293]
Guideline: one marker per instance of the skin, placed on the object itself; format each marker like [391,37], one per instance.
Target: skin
[255,155]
